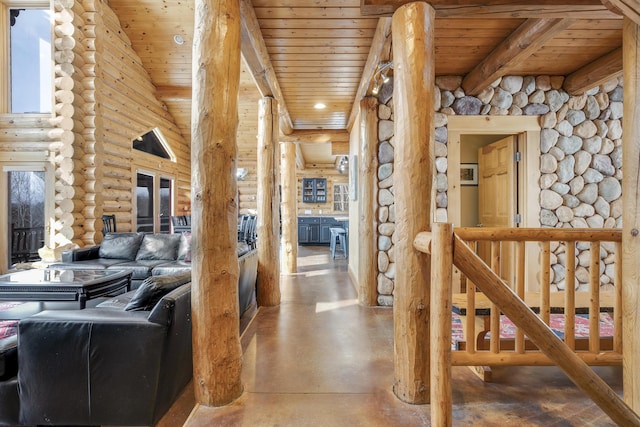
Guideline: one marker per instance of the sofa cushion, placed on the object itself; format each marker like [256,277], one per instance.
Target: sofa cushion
[184,251]
[171,267]
[159,246]
[118,302]
[120,245]
[154,288]
[139,269]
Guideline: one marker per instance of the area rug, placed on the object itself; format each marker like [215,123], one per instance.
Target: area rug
[556,323]
[8,327]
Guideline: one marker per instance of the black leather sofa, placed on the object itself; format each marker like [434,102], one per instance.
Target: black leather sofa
[139,253]
[156,254]
[103,365]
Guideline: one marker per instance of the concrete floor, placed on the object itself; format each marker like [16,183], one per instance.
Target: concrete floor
[320,359]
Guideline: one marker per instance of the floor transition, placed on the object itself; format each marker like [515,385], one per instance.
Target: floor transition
[320,359]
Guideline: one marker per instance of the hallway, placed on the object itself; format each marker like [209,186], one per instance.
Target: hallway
[320,359]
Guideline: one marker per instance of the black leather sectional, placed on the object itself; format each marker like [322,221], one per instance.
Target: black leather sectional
[124,361]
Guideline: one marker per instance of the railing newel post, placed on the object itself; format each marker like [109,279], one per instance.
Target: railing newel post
[440,321]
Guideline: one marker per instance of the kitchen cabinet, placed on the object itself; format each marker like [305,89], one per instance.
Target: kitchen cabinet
[314,230]
[314,190]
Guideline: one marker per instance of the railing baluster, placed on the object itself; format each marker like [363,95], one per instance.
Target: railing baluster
[520,287]
[570,295]
[494,343]
[617,308]
[594,292]
[545,285]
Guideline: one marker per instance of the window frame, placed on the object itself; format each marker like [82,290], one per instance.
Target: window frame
[5,62]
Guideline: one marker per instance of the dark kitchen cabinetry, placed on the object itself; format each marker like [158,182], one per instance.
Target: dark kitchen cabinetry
[314,230]
[314,190]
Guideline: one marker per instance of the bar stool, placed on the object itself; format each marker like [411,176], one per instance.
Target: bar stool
[339,236]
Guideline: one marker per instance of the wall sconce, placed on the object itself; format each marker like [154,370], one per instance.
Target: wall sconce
[381,76]
[241,173]
[343,165]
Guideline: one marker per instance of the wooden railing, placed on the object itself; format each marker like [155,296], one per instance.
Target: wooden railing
[498,297]
[25,242]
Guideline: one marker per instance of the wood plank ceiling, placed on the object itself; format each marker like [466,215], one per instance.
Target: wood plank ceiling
[317,50]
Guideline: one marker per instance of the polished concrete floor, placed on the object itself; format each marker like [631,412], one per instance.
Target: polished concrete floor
[320,359]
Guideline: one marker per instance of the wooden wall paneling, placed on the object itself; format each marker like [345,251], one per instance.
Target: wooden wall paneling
[333,177]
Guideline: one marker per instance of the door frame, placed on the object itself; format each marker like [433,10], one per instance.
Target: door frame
[527,130]
[26,161]
[157,176]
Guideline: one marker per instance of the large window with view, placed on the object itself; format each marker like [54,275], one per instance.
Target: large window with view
[30,53]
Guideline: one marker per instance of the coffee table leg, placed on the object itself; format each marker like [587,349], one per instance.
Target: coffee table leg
[82,300]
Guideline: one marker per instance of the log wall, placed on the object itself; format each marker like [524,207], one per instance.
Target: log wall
[333,177]
[104,99]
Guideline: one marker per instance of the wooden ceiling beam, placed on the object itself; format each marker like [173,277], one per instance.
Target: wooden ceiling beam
[376,52]
[530,36]
[339,148]
[316,136]
[595,73]
[491,9]
[629,8]
[173,93]
[258,62]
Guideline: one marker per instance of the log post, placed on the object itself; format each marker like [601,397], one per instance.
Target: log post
[414,80]
[631,215]
[441,291]
[367,173]
[268,281]
[289,207]
[217,354]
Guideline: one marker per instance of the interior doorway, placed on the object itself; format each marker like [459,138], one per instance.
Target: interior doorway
[504,193]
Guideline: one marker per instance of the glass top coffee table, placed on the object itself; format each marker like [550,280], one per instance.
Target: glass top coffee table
[63,285]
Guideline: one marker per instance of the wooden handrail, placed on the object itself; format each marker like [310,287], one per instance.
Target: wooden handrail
[540,234]
[507,301]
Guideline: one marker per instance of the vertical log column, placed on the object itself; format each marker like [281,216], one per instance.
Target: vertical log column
[367,265]
[414,80]
[289,207]
[217,354]
[268,283]
[631,215]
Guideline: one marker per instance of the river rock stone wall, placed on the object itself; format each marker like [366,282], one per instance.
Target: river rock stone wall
[580,163]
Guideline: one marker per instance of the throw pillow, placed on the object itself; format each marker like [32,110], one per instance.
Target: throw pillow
[159,246]
[184,252]
[153,288]
[120,245]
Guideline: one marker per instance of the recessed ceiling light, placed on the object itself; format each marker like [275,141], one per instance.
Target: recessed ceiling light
[319,106]
[178,39]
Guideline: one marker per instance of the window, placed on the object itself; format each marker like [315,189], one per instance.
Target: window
[341,197]
[153,142]
[153,203]
[30,59]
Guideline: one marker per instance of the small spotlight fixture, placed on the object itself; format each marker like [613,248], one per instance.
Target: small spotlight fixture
[381,76]
[320,106]
[178,39]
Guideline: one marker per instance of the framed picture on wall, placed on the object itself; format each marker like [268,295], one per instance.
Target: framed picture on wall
[468,174]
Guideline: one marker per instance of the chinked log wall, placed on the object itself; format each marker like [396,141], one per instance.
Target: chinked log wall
[104,99]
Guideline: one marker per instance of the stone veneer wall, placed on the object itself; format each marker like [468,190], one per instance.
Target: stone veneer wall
[580,163]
